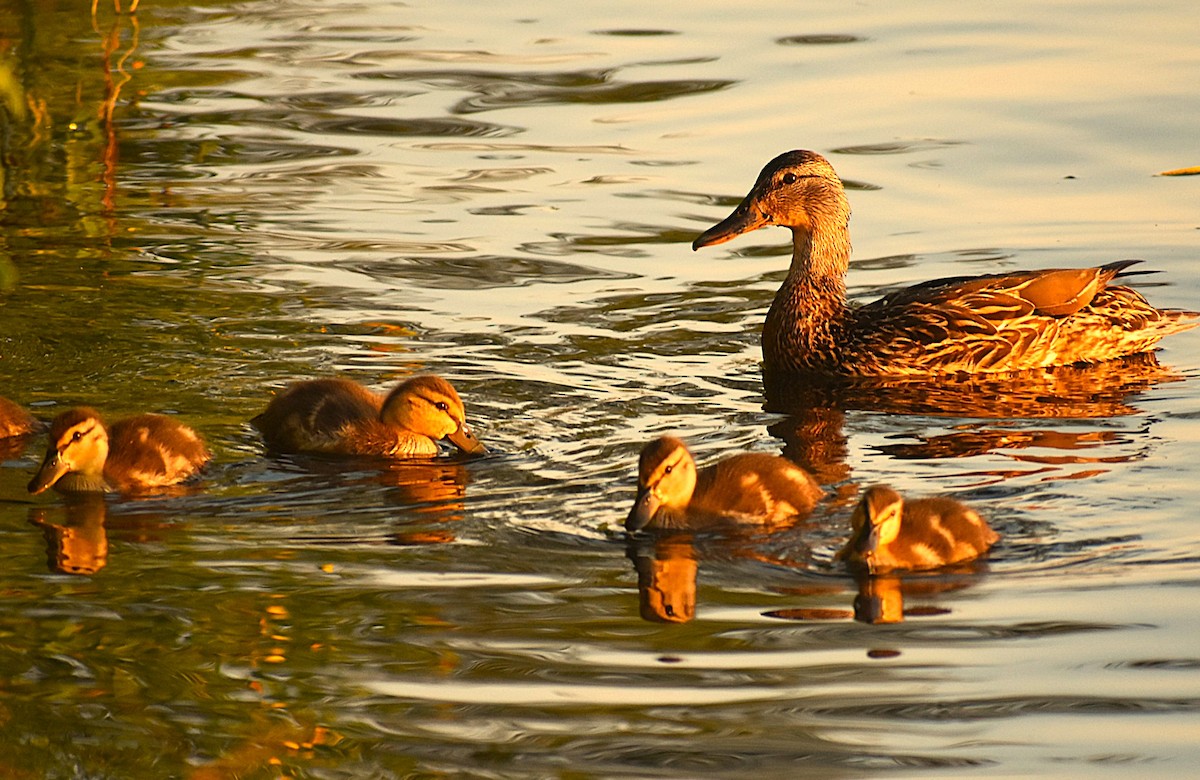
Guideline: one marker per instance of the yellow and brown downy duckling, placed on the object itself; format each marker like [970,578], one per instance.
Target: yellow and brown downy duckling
[340,417]
[748,487]
[136,454]
[996,322]
[15,421]
[890,534]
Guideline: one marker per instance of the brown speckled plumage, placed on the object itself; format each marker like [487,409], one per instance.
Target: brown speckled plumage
[747,487]
[889,533]
[998,322]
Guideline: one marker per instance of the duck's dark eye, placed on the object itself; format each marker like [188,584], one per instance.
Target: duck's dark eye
[442,406]
[789,178]
[76,436]
[667,470]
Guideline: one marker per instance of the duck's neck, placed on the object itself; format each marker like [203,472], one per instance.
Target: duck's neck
[804,324]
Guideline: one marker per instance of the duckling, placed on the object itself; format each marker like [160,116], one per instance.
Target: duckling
[748,487]
[15,421]
[890,533]
[996,322]
[337,416]
[135,454]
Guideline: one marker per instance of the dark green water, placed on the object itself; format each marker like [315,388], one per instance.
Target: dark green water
[204,202]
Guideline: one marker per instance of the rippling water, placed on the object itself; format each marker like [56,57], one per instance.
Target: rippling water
[202,203]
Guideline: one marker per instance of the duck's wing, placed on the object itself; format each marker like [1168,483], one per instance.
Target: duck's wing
[1057,292]
[315,415]
[1012,322]
[755,486]
[151,450]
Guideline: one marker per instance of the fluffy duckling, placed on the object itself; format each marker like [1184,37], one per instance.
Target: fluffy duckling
[340,417]
[135,454]
[748,487]
[890,533]
[996,322]
[15,421]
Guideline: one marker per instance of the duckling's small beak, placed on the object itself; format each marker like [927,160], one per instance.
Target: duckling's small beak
[865,546]
[52,469]
[643,510]
[743,219]
[465,440]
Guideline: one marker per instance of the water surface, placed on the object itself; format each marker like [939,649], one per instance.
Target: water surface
[204,202]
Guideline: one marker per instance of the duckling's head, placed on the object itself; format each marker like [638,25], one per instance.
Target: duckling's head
[430,406]
[798,190]
[666,481]
[875,524]
[78,445]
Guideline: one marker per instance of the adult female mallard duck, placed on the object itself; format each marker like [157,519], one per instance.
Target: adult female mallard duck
[996,322]
[889,533]
[340,417]
[748,487]
[132,455]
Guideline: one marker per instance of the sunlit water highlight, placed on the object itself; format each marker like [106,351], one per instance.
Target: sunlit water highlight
[506,196]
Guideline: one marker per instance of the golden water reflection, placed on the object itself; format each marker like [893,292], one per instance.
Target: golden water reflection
[815,409]
[668,569]
[76,540]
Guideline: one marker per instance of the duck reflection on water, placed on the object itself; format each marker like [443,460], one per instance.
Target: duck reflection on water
[429,494]
[669,564]
[76,539]
[983,414]
[667,568]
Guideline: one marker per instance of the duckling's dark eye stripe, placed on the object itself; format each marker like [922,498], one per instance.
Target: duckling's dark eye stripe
[435,403]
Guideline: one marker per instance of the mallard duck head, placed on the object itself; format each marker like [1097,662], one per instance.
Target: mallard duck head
[798,190]
[875,524]
[430,406]
[78,444]
[666,481]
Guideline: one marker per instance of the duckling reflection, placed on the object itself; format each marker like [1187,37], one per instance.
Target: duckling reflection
[433,492]
[79,543]
[890,533]
[17,426]
[340,417]
[882,598]
[423,492]
[666,568]
[747,487]
[137,454]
